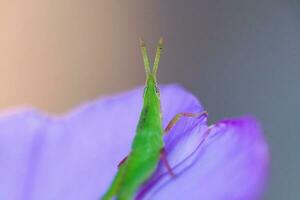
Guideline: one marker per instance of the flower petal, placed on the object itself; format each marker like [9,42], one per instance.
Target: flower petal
[75,156]
[231,164]
[20,142]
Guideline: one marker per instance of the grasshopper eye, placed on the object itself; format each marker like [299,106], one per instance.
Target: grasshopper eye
[145,89]
[157,90]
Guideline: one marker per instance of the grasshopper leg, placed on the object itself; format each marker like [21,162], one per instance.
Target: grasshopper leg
[165,162]
[177,117]
[171,124]
[122,161]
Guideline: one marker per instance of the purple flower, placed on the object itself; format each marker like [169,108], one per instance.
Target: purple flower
[75,156]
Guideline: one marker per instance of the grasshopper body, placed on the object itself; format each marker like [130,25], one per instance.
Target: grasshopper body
[148,141]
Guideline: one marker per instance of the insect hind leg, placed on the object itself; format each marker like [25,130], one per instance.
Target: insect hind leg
[122,161]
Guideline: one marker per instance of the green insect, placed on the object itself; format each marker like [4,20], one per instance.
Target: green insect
[147,147]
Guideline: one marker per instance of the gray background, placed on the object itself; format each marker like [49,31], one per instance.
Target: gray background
[238,57]
[242,57]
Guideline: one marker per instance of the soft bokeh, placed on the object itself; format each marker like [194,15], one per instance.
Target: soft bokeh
[238,57]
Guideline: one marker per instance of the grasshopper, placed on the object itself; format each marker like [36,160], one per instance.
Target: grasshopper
[148,146]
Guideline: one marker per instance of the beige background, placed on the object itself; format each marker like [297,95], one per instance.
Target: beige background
[55,54]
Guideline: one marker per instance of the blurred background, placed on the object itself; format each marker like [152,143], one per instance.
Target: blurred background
[238,57]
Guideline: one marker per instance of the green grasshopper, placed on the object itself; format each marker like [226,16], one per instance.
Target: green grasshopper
[148,147]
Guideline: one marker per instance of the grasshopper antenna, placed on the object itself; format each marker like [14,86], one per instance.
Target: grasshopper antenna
[157,56]
[145,57]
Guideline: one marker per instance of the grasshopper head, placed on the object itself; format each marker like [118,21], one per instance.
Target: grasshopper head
[151,81]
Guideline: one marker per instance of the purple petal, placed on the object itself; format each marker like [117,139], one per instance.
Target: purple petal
[231,164]
[75,156]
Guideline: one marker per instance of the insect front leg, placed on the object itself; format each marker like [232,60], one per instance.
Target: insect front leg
[170,125]
[177,117]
